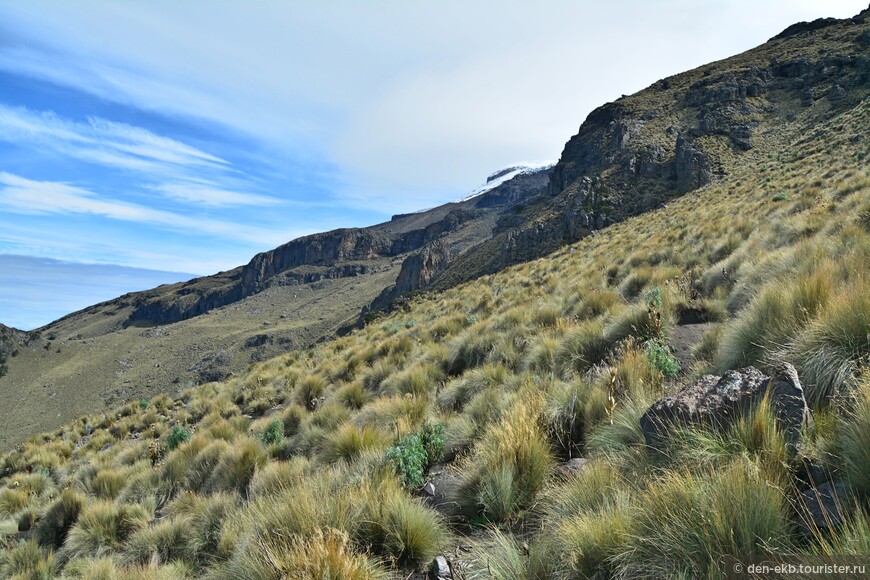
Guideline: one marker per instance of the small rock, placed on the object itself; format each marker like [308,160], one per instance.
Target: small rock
[821,508]
[429,489]
[440,569]
[572,467]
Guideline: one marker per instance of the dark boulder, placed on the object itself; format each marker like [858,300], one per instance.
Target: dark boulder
[716,402]
[821,508]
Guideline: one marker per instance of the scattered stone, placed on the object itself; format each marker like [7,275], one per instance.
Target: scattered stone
[440,569]
[429,489]
[718,401]
[820,508]
[572,468]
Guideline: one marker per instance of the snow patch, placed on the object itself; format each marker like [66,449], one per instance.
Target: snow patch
[506,174]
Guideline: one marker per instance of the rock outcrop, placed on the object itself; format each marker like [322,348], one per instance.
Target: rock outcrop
[717,402]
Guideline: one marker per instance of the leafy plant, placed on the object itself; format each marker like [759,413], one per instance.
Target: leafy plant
[412,456]
[661,358]
[177,436]
[273,434]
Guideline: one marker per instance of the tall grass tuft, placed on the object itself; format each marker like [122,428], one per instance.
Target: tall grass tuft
[508,466]
[701,517]
[103,528]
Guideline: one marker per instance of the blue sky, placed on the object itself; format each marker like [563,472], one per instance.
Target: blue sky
[147,142]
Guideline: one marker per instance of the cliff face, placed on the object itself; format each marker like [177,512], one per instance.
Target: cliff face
[343,253]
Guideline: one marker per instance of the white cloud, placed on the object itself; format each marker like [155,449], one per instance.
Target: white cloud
[101,141]
[414,101]
[26,196]
[212,196]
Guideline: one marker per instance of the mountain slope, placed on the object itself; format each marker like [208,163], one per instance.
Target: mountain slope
[539,374]
[179,335]
[628,157]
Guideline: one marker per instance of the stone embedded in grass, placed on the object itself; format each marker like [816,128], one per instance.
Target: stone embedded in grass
[719,401]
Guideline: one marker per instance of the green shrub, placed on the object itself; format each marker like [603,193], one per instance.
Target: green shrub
[412,456]
[274,433]
[178,435]
[661,358]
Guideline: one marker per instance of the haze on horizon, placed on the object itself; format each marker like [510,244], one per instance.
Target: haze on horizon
[144,143]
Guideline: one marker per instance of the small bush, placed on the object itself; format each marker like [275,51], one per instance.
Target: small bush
[274,433]
[177,436]
[412,456]
[661,358]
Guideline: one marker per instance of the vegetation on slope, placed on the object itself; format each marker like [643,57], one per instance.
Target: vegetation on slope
[300,467]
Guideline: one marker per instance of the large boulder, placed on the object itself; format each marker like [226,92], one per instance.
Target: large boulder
[716,402]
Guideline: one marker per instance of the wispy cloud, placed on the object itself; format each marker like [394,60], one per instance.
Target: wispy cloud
[21,195]
[211,195]
[173,168]
[99,140]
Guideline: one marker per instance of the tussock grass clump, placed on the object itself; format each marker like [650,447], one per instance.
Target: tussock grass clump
[13,501]
[309,391]
[462,389]
[397,526]
[582,348]
[349,441]
[855,442]
[325,555]
[501,556]
[700,518]
[277,475]
[237,467]
[572,409]
[157,544]
[587,543]
[103,528]
[835,346]
[203,518]
[52,529]
[107,483]
[507,468]
[470,348]
[419,380]
[772,320]
[399,413]
[27,560]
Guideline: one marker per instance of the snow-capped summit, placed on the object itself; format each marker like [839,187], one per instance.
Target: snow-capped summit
[508,173]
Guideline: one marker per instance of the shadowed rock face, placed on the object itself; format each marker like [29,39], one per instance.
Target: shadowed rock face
[717,402]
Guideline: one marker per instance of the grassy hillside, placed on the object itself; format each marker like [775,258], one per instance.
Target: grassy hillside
[310,464]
